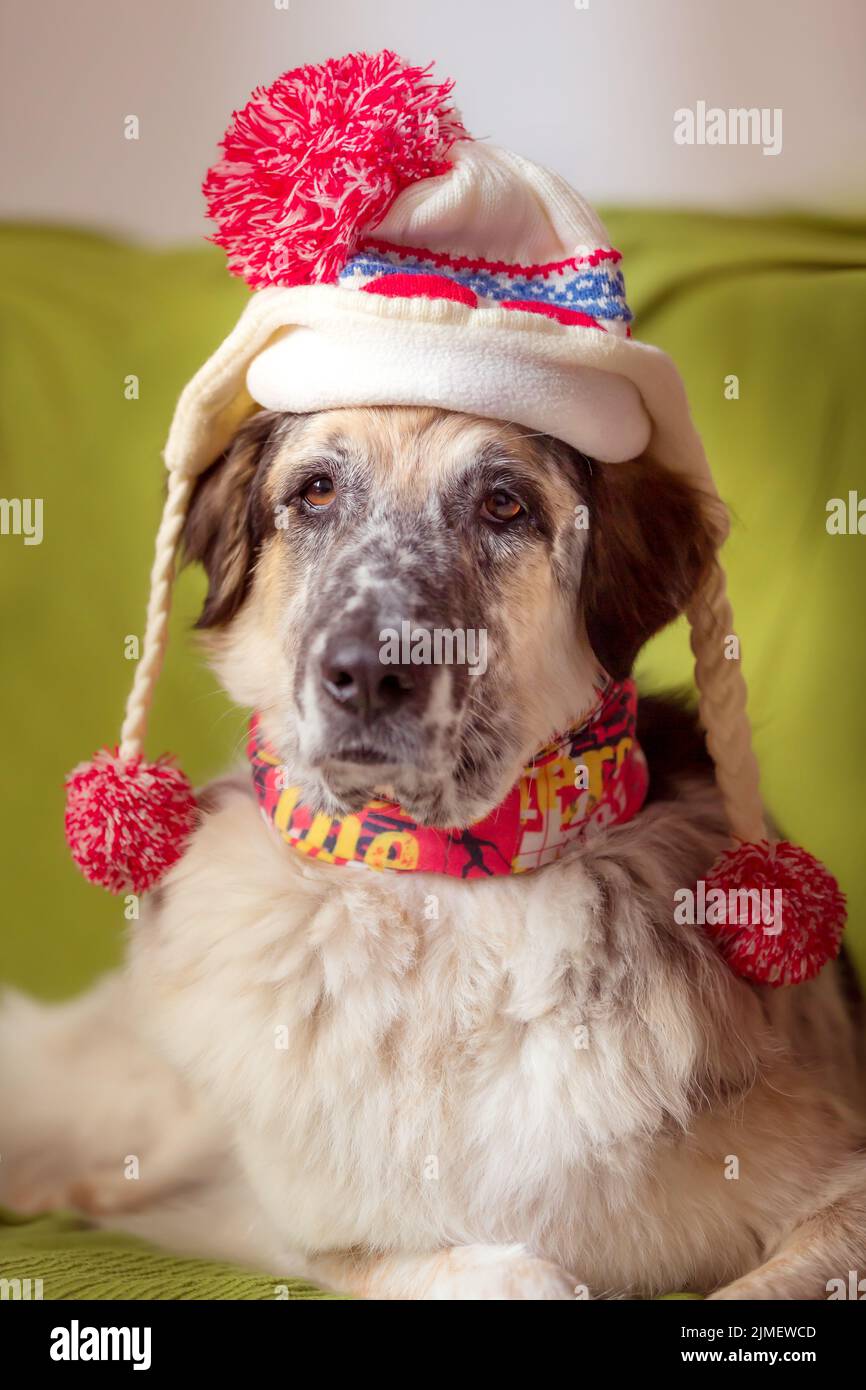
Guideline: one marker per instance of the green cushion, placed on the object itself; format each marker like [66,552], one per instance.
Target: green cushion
[780,303]
[73,1261]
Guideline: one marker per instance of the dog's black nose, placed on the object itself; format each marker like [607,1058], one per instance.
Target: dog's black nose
[355,677]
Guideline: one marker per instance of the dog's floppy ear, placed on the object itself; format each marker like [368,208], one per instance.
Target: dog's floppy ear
[651,541]
[223,525]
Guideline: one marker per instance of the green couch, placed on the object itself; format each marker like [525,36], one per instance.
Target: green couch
[779,303]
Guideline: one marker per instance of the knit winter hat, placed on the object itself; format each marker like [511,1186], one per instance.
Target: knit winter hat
[397,261]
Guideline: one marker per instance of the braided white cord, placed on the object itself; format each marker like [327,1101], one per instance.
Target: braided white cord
[158,612]
[722,703]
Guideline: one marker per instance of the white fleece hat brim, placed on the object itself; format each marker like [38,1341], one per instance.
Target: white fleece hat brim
[322,347]
[323,367]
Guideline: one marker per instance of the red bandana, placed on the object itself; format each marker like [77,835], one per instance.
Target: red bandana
[589,778]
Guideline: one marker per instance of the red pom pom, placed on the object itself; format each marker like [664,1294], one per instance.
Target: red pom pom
[127,821]
[805,920]
[318,157]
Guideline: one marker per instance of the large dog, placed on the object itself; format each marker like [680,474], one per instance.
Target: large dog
[405,1085]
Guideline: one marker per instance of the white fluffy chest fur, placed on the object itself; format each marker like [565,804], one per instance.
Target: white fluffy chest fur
[409,1061]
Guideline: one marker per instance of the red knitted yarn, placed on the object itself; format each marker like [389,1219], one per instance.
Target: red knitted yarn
[127,821]
[318,157]
[399,286]
[812,913]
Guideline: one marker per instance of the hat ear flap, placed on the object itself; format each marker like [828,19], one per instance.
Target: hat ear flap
[722,703]
[807,904]
[127,820]
[652,539]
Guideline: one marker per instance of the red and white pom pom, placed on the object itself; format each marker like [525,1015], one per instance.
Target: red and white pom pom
[318,157]
[127,821]
[811,914]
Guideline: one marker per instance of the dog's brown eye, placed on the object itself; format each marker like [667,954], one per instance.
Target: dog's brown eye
[501,506]
[320,492]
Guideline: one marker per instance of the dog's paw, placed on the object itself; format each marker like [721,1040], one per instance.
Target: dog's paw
[487,1272]
[94,1195]
[96,1192]
[91,1118]
[768,1284]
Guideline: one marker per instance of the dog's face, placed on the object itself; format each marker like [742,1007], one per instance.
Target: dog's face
[416,600]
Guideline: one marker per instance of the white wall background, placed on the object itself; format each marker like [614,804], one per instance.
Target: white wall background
[591,92]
